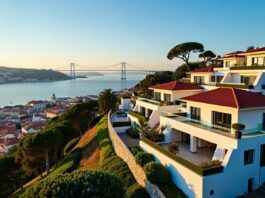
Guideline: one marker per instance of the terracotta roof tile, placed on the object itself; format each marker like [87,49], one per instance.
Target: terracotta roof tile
[175,85]
[206,69]
[229,97]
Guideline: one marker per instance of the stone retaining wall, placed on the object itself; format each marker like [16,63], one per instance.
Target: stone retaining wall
[123,152]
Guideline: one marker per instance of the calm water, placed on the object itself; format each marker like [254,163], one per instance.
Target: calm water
[21,93]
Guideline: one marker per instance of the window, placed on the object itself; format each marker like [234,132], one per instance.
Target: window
[216,78]
[195,113]
[248,156]
[254,60]
[157,96]
[227,64]
[222,120]
[167,97]
[199,79]
[263,61]
[248,80]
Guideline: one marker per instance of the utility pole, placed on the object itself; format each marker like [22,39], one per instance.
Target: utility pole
[123,70]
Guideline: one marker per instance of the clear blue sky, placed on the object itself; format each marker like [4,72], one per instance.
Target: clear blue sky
[53,33]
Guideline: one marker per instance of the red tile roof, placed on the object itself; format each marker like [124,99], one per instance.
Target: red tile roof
[255,50]
[175,85]
[229,97]
[233,55]
[206,69]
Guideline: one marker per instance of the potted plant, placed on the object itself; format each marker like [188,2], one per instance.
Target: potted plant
[238,128]
[173,147]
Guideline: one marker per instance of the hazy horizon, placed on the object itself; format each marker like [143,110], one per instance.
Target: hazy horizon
[51,34]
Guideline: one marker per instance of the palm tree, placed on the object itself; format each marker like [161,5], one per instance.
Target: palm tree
[143,126]
[107,101]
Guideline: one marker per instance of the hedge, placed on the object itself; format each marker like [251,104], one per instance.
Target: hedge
[133,133]
[157,173]
[184,162]
[109,161]
[71,144]
[137,115]
[247,67]
[137,191]
[235,86]
[135,149]
[78,184]
[121,124]
[143,158]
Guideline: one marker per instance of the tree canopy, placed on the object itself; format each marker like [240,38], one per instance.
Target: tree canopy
[107,101]
[207,56]
[183,51]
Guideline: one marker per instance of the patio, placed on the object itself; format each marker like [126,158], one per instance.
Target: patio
[202,154]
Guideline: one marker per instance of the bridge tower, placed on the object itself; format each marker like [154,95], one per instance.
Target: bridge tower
[123,70]
[72,70]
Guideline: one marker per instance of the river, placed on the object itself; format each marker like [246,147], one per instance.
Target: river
[21,93]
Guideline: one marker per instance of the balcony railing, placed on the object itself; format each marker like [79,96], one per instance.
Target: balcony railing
[222,128]
[155,102]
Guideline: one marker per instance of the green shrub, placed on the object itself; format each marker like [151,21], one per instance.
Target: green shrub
[78,184]
[69,163]
[137,191]
[155,136]
[173,147]
[143,158]
[135,149]
[133,133]
[121,124]
[157,173]
[109,161]
[172,191]
[71,144]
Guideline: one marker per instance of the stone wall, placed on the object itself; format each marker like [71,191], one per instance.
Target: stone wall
[123,152]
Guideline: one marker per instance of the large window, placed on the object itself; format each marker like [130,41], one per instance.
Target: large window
[248,80]
[248,156]
[199,79]
[195,113]
[216,78]
[167,97]
[227,64]
[222,120]
[157,96]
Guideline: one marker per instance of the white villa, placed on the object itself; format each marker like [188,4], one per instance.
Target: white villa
[214,159]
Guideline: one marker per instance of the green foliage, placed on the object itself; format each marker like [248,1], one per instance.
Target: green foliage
[137,191]
[107,101]
[183,50]
[121,124]
[109,161]
[71,144]
[181,71]
[135,149]
[173,147]
[155,136]
[137,115]
[184,162]
[207,56]
[133,133]
[238,126]
[78,184]
[153,79]
[69,163]
[143,158]
[172,191]
[9,175]
[157,173]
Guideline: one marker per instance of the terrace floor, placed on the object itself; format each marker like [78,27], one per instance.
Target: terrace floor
[128,140]
[202,154]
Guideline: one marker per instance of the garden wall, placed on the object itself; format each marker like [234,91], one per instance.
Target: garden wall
[123,152]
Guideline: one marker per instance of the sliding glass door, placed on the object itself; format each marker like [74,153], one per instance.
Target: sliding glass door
[222,120]
[195,113]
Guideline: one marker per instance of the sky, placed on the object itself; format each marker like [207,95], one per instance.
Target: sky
[54,33]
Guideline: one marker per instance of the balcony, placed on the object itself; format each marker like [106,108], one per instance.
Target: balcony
[151,101]
[224,130]
[235,85]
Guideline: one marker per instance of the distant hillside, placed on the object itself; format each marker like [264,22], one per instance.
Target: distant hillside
[11,75]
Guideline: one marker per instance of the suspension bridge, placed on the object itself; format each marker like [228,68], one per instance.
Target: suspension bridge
[122,67]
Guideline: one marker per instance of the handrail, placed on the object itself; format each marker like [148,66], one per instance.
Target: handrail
[201,122]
